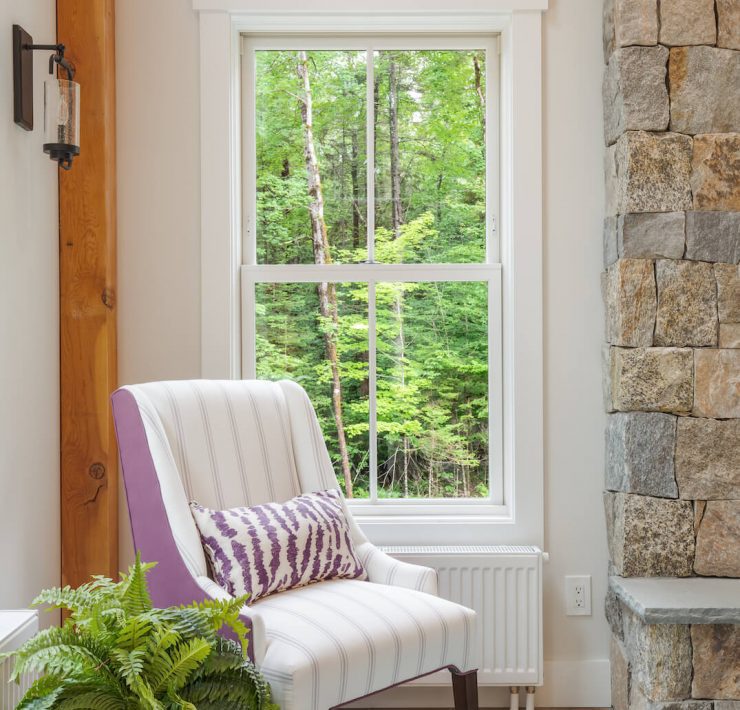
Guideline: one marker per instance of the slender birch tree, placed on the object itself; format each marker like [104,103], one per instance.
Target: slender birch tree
[322,255]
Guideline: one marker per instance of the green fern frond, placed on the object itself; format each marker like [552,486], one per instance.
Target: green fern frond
[135,632]
[46,689]
[189,622]
[162,638]
[227,656]
[186,657]
[135,593]
[62,659]
[94,700]
[226,612]
[116,652]
[177,702]
[43,702]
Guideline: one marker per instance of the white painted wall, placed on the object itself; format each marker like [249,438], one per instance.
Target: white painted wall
[574,412]
[159,273]
[29,328]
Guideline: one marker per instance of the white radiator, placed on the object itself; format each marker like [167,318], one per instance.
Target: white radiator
[16,627]
[503,584]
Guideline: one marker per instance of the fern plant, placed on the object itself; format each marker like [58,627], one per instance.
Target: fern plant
[115,652]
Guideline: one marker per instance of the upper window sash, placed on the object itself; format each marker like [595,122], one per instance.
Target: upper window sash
[369,43]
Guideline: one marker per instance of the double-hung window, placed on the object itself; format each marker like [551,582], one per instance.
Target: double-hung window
[372,271]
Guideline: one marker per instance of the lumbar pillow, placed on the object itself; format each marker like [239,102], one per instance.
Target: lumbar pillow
[277,546]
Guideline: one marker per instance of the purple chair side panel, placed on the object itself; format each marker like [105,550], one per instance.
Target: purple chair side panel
[170,582]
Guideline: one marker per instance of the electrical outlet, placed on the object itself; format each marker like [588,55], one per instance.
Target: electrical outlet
[578,595]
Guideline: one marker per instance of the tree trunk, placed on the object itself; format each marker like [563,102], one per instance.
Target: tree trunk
[479,89]
[355,169]
[355,175]
[397,221]
[322,255]
[396,207]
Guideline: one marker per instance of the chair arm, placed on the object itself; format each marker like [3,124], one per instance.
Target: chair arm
[257,637]
[384,569]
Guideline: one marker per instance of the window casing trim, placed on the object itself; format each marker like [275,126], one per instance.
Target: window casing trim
[221,24]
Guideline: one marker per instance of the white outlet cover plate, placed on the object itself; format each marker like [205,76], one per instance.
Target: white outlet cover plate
[578,595]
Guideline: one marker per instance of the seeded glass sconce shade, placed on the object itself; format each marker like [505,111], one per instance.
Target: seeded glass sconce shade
[62,120]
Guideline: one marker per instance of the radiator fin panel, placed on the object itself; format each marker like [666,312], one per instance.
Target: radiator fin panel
[16,627]
[503,585]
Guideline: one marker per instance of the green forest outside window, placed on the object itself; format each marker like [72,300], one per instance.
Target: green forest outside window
[371,260]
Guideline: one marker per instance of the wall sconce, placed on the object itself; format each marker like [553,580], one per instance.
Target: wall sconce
[61,98]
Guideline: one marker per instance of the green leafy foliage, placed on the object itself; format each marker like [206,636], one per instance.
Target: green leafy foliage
[116,652]
[432,338]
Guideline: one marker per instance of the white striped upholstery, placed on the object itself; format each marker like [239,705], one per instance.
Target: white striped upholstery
[331,642]
[236,443]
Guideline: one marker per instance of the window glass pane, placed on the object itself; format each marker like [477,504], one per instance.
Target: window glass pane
[432,359]
[301,340]
[430,192]
[311,161]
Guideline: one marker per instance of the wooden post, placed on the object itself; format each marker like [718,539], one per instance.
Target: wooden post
[87,298]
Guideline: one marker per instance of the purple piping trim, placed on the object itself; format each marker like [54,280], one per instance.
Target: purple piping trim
[170,582]
[451,669]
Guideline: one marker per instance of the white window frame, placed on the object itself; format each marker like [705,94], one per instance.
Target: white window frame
[518,23]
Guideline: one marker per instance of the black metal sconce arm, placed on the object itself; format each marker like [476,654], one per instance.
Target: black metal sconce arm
[56,58]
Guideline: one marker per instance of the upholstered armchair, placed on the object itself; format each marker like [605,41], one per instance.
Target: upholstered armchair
[241,443]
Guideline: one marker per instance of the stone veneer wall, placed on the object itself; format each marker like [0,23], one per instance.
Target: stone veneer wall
[672,361]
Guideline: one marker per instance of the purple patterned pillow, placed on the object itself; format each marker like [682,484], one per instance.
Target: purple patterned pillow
[277,546]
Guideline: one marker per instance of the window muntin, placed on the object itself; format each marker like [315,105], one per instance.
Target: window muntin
[408,264]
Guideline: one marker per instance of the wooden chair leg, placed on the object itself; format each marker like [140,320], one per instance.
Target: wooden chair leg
[465,690]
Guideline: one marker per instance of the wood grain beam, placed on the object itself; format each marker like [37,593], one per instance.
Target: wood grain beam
[87,266]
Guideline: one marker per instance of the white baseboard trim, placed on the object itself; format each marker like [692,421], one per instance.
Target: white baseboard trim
[571,684]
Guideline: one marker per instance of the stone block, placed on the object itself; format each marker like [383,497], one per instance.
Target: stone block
[660,659]
[728,28]
[634,92]
[729,335]
[611,250]
[608,29]
[728,292]
[649,537]
[727,705]
[717,383]
[651,235]
[651,379]
[613,613]
[620,675]
[606,377]
[687,303]
[629,22]
[718,540]
[705,90]
[677,705]
[687,22]
[649,172]
[639,702]
[708,458]
[713,236]
[639,453]
[715,172]
[716,667]
[629,297]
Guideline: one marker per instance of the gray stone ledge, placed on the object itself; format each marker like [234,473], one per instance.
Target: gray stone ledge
[668,600]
